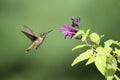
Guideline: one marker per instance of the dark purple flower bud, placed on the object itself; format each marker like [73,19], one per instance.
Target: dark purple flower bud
[79,37]
[76,22]
[76,19]
[68,31]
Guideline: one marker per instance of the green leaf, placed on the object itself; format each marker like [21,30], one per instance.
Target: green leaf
[90,60]
[100,62]
[107,50]
[118,59]
[117,51]
[103,51]
[111,66]
[118,43]
[80,32]
[109,78]
[79,46]
[108,43]
[101,36]
[83,56]
[100,59]
[95,38]
[85,35]
[116,77]
[118,69]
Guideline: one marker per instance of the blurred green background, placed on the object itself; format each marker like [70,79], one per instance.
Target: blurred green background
[52,60]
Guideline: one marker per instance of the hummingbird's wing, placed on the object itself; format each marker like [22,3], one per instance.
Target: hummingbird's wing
[28,32]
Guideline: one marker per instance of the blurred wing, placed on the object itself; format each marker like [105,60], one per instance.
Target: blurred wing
[28,32]
[31,37]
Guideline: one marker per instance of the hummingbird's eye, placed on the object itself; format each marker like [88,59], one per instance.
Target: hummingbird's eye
[42,33]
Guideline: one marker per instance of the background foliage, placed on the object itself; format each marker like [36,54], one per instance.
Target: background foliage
[53,59]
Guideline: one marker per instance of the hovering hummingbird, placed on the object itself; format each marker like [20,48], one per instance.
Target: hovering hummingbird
[36,39]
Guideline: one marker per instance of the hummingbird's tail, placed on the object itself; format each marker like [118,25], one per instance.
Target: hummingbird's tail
[29,48]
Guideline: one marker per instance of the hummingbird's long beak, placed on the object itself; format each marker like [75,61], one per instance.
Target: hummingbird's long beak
[49,31]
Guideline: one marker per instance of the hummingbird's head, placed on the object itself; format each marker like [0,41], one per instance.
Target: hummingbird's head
[43,35]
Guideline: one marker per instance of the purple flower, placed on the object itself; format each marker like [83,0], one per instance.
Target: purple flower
[68,31]
[76,22]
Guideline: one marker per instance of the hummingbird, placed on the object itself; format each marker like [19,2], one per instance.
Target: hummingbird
[37,40]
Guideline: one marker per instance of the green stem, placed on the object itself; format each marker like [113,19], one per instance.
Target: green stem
[116,77]
[86,42]
[118,69]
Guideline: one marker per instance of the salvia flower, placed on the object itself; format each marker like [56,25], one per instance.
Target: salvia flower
[71,31]
[76,22]
[68,31]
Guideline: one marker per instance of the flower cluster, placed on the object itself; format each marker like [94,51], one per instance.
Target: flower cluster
[69,31]
[76,22]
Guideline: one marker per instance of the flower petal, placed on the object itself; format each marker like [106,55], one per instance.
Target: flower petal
[65,35]
[68,31]
[63,30]
[66,26]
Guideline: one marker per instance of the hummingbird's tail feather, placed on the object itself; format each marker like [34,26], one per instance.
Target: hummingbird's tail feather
[29,48]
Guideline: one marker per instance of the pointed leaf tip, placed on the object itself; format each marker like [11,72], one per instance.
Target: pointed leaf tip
[95,38]
[85,35]
[83,56]
[79,46]
[100,62]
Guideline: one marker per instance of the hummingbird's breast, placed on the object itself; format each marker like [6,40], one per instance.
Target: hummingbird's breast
[38,42]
